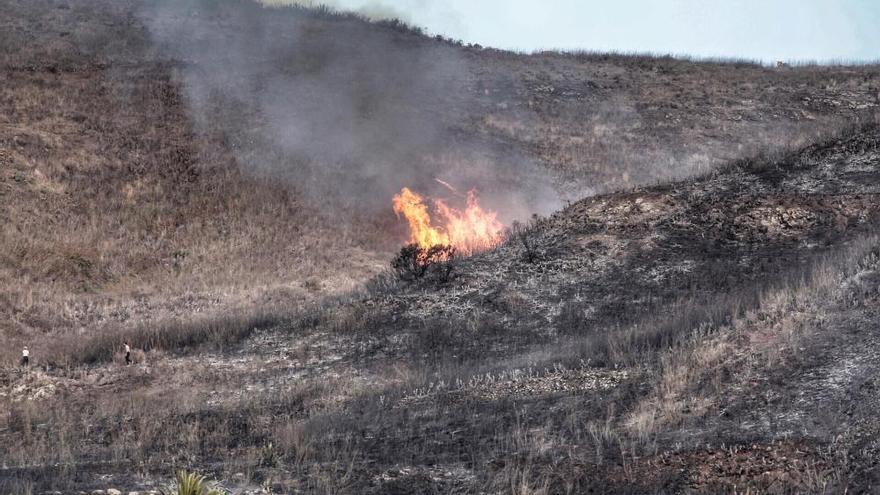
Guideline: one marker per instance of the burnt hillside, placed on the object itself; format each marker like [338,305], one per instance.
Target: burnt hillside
[696,335]
[142,143]
[210,181]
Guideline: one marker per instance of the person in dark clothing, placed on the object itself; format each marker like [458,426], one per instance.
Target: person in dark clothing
[25,357]
[127,354]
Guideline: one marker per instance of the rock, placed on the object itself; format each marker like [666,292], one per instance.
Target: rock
[113,491]
[98,492]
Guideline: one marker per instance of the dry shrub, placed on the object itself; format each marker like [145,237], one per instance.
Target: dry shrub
[296,442]
[414,262]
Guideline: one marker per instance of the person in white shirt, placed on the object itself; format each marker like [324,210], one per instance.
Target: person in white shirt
[127,353]
[25,357]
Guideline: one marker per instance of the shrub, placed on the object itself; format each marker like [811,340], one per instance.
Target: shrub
[525,234]
[414,262]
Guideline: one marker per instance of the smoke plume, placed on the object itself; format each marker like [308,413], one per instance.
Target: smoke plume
[343,110]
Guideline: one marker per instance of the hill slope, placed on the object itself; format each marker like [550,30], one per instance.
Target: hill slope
[143,142]
[211,182]
[699,335]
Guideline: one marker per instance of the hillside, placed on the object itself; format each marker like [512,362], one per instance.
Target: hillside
[700,335]
[131,197]
[212,182]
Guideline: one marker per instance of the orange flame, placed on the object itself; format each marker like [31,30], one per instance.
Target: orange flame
[469,231]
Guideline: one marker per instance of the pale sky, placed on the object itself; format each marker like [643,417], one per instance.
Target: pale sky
[766,30]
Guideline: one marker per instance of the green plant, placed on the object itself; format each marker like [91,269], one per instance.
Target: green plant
[191,484]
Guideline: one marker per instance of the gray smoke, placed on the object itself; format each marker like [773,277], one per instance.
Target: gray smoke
[341,109]
[439,11]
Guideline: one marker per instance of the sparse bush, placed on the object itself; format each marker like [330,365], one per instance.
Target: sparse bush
[407,264]
[414,262]
[525,234]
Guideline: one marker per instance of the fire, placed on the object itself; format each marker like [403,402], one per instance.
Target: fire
[470,230]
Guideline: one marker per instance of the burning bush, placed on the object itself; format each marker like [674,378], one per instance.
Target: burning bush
[414,262]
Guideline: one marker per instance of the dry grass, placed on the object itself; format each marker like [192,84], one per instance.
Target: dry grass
[696,370]
[118,214]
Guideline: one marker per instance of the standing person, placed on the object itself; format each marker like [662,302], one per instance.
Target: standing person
[25,357]
[127,354]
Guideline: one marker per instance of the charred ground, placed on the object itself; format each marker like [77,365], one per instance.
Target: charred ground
[708,333]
